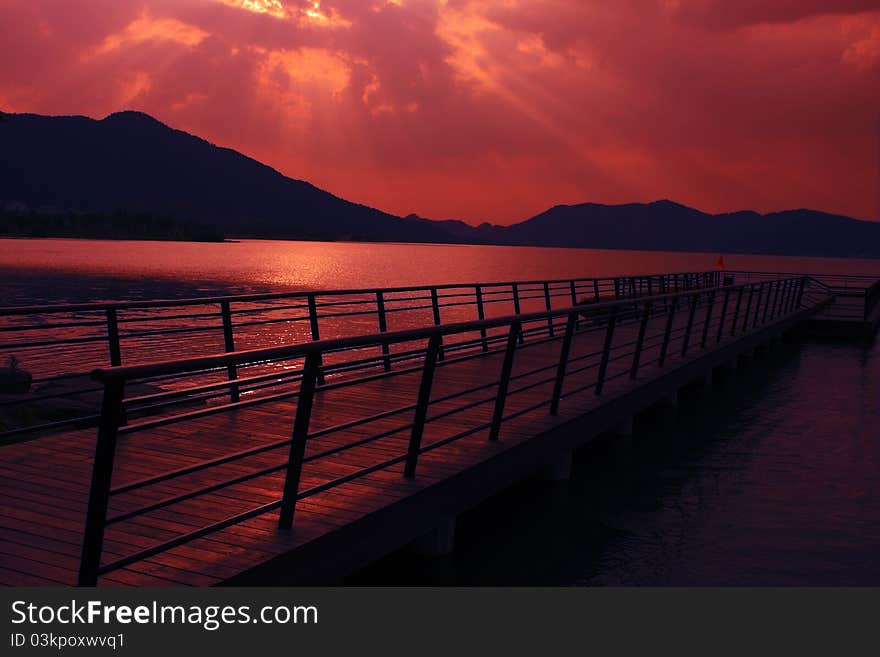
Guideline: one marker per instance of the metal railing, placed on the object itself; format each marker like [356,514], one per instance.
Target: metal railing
[60,344]
[856,296]
[599,345]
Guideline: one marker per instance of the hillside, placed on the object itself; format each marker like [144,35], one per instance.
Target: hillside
[138,177]
[130,162]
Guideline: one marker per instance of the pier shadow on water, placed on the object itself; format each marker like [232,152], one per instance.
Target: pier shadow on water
[772,477]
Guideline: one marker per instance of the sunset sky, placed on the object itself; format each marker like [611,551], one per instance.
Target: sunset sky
[486,110]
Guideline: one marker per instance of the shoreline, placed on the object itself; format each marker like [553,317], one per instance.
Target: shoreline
[239,239]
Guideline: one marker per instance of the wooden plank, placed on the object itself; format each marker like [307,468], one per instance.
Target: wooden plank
[43,494]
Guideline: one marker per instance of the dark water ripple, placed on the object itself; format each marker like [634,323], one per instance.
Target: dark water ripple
[774,480]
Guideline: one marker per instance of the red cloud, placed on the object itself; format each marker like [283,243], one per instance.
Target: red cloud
[486,110]
[730,14]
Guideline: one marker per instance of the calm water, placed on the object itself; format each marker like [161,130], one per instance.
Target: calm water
[81,270]
[774,481]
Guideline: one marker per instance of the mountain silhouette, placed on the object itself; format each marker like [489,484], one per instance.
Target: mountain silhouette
[131,163]
[668,226]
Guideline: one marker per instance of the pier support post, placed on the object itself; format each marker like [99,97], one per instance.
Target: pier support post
[707,380]
[560,469]
[670,406]
[623,444]
[440,541]
[624,432]
[725,374]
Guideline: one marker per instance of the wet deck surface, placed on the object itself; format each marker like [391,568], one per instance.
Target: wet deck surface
[44,484]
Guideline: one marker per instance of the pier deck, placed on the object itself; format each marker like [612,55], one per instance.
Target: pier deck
[192,493]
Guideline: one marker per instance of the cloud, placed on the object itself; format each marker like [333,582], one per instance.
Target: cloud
[486,110]
[732,14]
[147,29]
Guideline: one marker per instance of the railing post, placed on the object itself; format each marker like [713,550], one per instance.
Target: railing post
[745,326]
[596,289]
[481,314]
[739,298]
[800,296]
[797,292]
[606,351]
[757,317]
[504,381]
[640,341]
[690,324]
[421,413]
[229,346]
[517,311]
[383,328]
[311,371]
[709,308]
[779,299]
[563,363]
[547,306]
[667,334]
[113,338]
[102,475]
[435,310]
[724,306]
[783,298]
[574,296]
[650,286]
[316,333]
[773,313]
[772,291]
[764,304]
[763,301]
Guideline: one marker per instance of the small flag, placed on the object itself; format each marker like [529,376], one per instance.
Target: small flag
[720,263]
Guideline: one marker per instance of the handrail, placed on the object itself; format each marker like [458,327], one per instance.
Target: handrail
[72,341]
[61,348]
[768,301]
[267,296]
[174,366]
[813,275]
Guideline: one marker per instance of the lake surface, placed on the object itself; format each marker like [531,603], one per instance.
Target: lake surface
[775,481]
[57,270]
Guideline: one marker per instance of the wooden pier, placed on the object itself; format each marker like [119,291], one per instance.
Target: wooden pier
[301,463]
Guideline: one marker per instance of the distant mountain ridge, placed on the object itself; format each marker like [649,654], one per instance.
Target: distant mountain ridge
[130,162]
[668,226]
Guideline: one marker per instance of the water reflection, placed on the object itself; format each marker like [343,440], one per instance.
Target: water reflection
[255,265]
[773,482]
